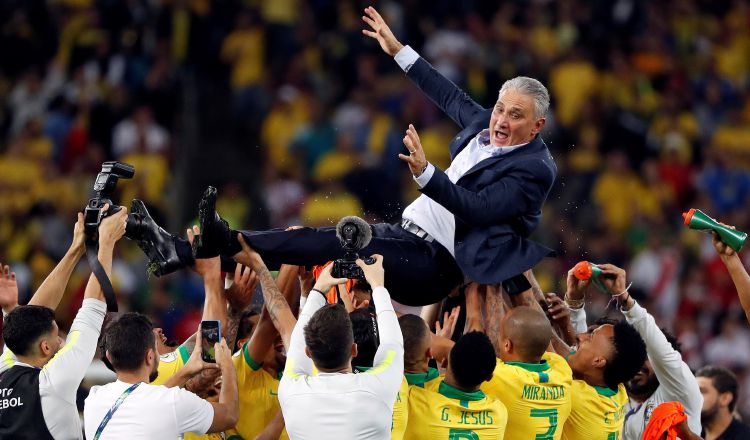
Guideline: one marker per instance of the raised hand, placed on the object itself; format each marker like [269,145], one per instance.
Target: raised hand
[205,267]
[79,236]
[374,273]
[326,280]
[112,228]
[240,293]
[722,248]
[380,32]
[557,310]
[247,256]
[8,289]
[351,303]
[195,363]
[416,158]
[449,323]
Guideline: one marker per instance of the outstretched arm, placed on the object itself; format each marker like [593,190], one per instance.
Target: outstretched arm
[453,101]
[51,291]
[737,271]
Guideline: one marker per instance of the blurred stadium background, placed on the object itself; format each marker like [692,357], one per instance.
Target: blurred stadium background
[298,119]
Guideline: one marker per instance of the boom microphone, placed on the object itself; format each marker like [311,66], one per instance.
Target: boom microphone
[353,232]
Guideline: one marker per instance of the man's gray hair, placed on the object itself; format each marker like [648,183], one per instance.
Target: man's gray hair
[531,87]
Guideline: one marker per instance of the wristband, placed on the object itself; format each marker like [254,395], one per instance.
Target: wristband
[516,285]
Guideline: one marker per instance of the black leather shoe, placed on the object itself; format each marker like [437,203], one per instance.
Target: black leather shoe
[215,238]
[166,252]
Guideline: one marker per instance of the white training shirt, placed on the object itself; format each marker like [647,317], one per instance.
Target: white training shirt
[62,375]
[149,412]
[676,381]
[339,405]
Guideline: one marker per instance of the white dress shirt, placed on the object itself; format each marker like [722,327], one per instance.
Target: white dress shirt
[425,212]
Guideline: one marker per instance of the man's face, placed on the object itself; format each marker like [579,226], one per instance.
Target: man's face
[513,120]
[276,358]
[644,382]
[53,340]
[594,348]
[155,366]
[710,399]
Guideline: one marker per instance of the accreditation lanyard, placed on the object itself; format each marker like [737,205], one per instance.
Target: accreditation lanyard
[112,410]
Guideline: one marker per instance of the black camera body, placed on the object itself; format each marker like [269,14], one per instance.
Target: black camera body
[354,234]
[104,188]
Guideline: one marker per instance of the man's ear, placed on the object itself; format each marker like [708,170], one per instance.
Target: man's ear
[538,126]
[508,345]
[44,347]
[355,350]
[108,356]
[725,398]
[428,353]
[599,362]
[307,352]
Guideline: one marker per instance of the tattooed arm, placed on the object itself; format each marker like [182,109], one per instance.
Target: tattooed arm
[275,303]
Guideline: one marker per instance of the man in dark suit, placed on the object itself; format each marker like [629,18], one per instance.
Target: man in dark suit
[472,220]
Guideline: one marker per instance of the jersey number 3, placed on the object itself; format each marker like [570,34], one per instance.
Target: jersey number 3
[550,414]
[462,434]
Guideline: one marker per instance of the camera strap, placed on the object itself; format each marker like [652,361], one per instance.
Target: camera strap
[101,275]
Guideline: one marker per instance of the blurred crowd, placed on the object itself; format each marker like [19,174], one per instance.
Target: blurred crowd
[651,116]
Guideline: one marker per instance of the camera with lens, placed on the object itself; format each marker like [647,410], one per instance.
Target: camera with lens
[354,234]
[104,188]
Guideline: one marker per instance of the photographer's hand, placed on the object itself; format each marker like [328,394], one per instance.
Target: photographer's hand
[193,366]
[78,246]
[374,273]
[112,228]
[326,281]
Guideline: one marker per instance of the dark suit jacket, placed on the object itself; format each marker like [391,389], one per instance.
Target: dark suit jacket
[497,204]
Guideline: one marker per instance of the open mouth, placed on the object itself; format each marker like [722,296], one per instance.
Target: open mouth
[499,136]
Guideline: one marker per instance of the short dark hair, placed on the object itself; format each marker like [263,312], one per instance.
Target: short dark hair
[723,380]
[329,336]
[628,358]
[24,325]
[415,331]
[127,341]
[365,332]
[472,360]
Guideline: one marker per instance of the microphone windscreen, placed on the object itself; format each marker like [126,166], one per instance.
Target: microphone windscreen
[364,231]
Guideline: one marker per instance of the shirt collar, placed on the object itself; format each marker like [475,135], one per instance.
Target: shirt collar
[483,139]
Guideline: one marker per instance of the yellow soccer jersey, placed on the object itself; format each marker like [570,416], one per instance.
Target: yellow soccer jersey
[258,396]
[452,414]
[537,396]
[428,380]
[597,413]
[170,363]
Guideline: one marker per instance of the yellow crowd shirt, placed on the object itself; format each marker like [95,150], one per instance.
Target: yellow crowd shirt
[452,414]
[170,364]
[597,413]
[537,396]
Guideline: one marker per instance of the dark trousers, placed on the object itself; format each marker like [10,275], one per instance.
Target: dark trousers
[417,272]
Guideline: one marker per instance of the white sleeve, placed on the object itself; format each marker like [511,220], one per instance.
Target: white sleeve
[64,372]
[406,57]
[388,366]
[425,177]
[297,362]
[675,378]
[192,413]
[578,318]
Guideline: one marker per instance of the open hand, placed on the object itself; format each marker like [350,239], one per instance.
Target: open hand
[449,323]
[240,293]
[416,159]
[248,256]
[380,32]
[351,303]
